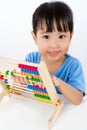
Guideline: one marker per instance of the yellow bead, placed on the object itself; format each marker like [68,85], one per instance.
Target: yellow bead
[5,75]
[10,90]
[30,81]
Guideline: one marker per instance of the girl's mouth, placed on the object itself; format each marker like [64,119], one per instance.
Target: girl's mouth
[53,53]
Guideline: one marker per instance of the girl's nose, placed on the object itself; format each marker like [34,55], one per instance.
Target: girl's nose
[54,42]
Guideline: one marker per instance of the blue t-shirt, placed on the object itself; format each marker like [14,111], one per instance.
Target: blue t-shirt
[70,71]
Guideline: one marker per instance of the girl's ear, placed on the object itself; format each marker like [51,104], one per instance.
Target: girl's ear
[34,36]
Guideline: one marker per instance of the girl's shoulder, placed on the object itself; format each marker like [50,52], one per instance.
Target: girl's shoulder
[71,60]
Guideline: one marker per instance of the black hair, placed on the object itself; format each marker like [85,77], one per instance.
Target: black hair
[50,11]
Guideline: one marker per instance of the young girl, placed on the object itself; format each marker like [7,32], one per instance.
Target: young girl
[52,33]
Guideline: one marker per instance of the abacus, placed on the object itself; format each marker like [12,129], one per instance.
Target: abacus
[38,86]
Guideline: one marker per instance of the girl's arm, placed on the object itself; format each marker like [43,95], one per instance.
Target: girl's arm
[72,94]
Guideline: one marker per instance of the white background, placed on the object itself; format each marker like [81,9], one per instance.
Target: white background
[16,41]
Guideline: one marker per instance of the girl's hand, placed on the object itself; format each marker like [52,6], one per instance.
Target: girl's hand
[19,80]
[55,80]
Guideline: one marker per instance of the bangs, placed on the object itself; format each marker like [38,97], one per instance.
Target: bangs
[61,25]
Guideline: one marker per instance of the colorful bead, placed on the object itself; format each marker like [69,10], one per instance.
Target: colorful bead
[5,75]
[7,72]
[10,90]
[27,78]
[12,73]
[5,80]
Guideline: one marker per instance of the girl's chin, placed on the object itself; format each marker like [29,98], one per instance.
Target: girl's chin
[53,59]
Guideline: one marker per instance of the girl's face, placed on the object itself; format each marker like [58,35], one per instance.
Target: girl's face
[52,45]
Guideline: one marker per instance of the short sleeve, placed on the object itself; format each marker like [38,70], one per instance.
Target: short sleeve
[33,57]
[76,77]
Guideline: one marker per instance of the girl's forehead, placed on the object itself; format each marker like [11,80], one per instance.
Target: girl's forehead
[43,25]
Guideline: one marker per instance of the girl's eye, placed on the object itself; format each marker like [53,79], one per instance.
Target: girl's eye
[46,36]
[61,36]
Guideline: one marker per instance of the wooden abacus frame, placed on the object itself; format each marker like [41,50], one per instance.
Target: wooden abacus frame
[10,64]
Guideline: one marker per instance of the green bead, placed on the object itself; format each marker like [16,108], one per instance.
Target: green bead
[7,72]
[8,86]
[48,98]
[27,77]
[12,73]
[32,78]
[36,95]
[38,80]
